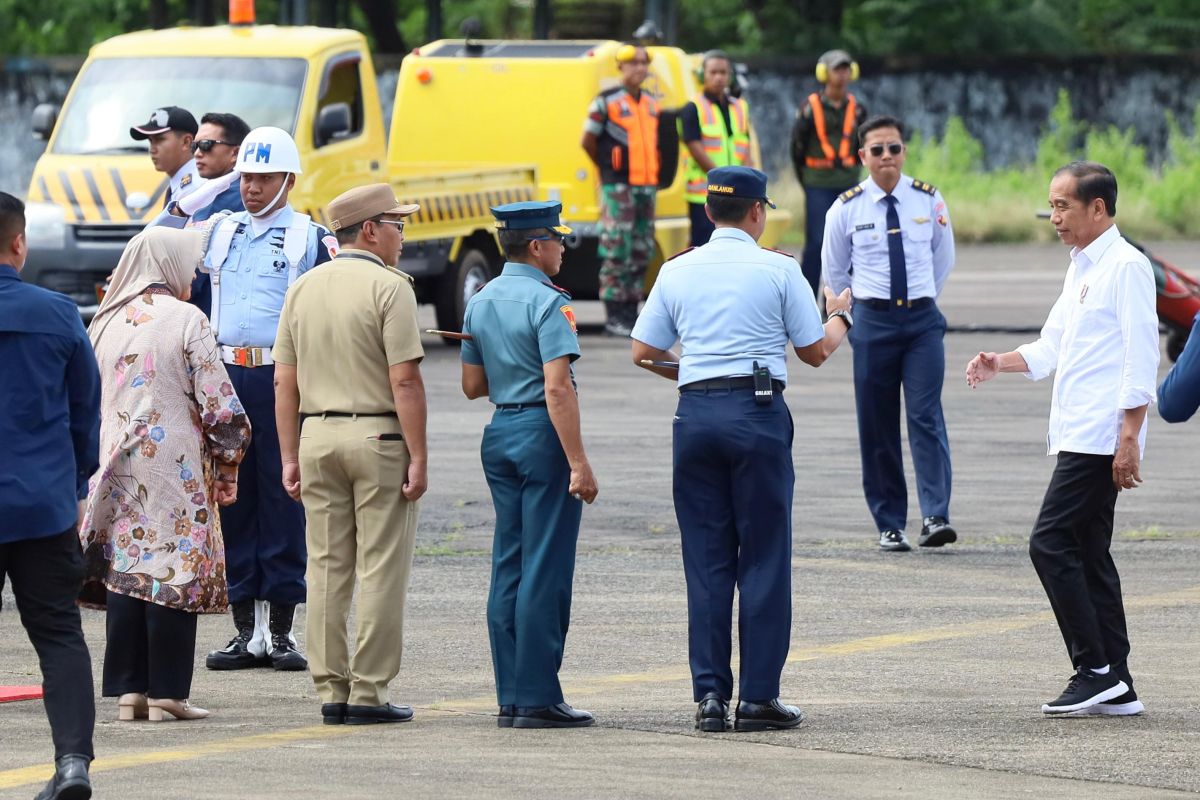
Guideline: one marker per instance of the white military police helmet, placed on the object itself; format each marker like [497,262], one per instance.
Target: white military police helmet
[268,149]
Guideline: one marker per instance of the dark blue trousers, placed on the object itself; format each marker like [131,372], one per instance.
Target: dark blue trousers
[265,554]
[533,555]
[817,203]
[702,226]
[893,349]
[733,482]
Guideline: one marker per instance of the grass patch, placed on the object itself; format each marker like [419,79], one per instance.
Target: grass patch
[1000,205]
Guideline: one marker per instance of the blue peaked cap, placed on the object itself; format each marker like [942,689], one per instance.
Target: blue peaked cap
[528,215]
[744,182]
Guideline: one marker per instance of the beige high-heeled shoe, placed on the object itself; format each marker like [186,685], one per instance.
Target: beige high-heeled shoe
[179,709]
[132,706]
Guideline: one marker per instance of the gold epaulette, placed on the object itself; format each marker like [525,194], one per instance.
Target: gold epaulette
[850,194]
[922,186]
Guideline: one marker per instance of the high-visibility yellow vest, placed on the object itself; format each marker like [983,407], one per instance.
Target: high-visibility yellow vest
[725,149]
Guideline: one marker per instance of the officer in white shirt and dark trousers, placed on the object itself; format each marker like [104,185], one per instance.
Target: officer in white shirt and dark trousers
[889,241]
[1102,337]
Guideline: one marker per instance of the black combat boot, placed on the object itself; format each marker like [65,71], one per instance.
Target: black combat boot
[236,654]
[284,655]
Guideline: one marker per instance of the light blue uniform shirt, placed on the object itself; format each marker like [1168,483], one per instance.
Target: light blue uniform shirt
[519,322]
[855,250]
[730,303]
[254,278]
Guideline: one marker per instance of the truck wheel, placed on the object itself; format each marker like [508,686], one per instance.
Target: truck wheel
[1176,339]
[464,278]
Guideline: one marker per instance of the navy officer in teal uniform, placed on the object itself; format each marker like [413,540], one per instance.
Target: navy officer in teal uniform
[522,346]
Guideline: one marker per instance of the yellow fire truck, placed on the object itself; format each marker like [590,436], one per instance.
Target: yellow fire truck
[474,124]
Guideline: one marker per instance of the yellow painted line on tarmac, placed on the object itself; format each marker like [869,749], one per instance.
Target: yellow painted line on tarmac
[25,776]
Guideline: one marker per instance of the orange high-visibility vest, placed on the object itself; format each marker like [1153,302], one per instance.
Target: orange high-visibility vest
[844,154]
[725,149]
[632,133]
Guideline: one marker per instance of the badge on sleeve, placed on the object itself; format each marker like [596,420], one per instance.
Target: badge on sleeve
[331,245]
[569,313]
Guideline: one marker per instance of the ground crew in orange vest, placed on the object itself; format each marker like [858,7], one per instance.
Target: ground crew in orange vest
[825,151]
[715,128]
[621,138]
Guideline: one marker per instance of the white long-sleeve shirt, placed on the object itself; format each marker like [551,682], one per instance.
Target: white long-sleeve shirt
[1102,337]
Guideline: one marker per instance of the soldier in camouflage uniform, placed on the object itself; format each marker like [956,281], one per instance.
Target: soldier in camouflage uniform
[621,137]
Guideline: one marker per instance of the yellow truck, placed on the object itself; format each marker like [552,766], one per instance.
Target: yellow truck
[474,124]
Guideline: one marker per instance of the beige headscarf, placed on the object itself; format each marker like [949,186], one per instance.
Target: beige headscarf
[167,256]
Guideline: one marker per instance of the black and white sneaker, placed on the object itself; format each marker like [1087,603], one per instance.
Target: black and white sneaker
[1127,705]
[1084,690]
[894,541]
[936,532]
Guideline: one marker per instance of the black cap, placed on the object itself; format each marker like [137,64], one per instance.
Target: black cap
[745,182]
[167,118]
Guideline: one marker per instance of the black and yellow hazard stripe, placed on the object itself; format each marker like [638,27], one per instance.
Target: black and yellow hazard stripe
[93,195]
[466,205]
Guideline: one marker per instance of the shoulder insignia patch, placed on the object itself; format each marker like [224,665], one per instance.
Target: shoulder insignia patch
[331,245]
[781,252]
[922,186]
[569,313]
[681,252]
[850,194]
[185,180]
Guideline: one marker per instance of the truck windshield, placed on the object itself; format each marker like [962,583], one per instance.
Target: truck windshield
[113,94]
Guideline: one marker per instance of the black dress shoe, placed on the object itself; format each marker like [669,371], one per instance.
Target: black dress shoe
[70,780]
[766,716]
[372,715]
[894,541]
[712,714]
[333,713]
[505,718]
[935,532]
[556,716]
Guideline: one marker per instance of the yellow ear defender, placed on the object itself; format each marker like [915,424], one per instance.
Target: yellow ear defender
[822,71]
[627,52]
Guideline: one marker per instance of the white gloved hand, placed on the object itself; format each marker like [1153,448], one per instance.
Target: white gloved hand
[207,192]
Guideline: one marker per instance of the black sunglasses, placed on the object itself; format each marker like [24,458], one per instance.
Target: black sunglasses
[204,145]
[894,148]
[553,236]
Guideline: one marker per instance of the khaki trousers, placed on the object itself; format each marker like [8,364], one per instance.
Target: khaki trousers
[359,525]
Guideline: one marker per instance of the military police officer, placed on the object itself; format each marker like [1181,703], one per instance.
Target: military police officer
[253,257]
[889,240]
[347,374]
[523,345]
[735,306]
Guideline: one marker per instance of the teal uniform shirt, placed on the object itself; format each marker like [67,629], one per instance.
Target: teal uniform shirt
[519,321]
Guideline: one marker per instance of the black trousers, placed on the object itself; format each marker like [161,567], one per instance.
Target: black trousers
[46,576]
[1069,549]
[151,649]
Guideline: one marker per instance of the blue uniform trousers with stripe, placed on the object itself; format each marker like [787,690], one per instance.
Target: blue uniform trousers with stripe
[894,349]
[265,552]
[733,484]
[533,554]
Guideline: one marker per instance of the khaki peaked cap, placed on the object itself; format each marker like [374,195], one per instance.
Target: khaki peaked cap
[365,202]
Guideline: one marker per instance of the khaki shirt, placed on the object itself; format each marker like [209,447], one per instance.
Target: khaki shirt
[342,326]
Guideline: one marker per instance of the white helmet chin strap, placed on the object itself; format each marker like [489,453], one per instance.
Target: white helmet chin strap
[269,207]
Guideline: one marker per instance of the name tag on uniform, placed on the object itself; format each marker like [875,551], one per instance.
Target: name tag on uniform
[865,227]
[920,220]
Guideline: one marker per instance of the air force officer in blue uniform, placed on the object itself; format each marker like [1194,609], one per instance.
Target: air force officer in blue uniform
[253,257]
[734,307]
[523,345]
[890,242]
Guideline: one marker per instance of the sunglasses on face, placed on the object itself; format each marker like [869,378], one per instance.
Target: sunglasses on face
[204,145]
[551,237]
[895,148]
[398,223]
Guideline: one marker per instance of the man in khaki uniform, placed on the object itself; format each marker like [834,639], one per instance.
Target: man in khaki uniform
[350,406]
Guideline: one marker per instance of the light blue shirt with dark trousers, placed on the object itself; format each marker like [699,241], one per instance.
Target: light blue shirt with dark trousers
[897,339]
[521,321]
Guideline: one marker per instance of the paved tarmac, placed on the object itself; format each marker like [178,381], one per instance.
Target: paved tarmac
[921,674]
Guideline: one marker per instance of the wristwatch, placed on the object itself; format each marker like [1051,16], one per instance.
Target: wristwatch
[845,315]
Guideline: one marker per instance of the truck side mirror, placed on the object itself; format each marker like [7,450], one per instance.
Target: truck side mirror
[44,117]
[333,122]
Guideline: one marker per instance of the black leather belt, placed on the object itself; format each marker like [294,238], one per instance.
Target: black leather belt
[887,305]
[727,384]
[518,406]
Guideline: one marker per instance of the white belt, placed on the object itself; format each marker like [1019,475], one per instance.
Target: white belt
[246,356]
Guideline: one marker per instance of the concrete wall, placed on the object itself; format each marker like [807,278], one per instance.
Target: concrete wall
[1005,104]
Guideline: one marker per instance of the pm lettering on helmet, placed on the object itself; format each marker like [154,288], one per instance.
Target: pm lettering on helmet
[260,151]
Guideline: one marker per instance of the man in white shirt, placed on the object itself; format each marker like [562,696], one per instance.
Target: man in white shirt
[170,132]
[1102,337]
